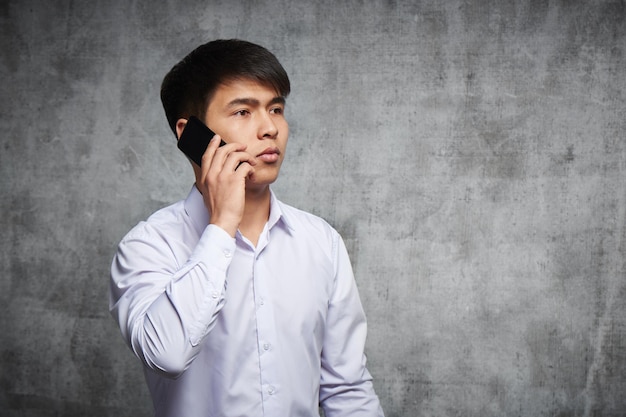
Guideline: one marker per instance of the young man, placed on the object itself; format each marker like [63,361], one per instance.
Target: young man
[236,303]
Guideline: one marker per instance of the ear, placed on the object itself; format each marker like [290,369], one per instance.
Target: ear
[180,126]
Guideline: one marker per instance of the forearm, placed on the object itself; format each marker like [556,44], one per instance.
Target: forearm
[163,311]
[346,388]
[167,337]
[356,400]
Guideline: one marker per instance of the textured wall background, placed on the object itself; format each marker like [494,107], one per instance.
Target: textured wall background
[472,153]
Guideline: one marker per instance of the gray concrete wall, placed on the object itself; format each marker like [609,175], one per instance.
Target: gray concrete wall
[472,154]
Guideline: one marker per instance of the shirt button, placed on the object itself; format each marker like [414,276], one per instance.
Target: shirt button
[266,346]
[215,294]
[271,390]
[227,253]
[261,301]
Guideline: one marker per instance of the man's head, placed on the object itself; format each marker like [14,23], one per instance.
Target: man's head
[190,85]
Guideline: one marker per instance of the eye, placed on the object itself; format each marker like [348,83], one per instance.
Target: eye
[242,112]
[277,110]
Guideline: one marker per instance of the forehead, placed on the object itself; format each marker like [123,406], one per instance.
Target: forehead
[244,88]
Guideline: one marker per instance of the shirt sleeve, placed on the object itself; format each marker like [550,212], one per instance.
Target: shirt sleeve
[346,386]
[164,309]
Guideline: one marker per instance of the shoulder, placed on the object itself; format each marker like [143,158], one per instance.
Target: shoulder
[159,225]
[307,224]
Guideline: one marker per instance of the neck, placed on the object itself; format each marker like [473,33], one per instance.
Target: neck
[256,213]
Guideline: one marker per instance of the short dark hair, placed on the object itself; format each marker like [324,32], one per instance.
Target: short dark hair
[188,87]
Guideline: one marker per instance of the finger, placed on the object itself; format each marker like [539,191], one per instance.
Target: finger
[209,155]
[238,159]
[245,170]
[223,152]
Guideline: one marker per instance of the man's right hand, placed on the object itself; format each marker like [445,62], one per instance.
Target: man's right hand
[222,181]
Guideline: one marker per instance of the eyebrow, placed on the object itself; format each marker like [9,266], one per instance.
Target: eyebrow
[254,101]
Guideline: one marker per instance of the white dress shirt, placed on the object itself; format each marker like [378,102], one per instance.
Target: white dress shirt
[228,329]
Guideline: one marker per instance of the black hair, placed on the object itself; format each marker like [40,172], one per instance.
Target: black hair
[189,86]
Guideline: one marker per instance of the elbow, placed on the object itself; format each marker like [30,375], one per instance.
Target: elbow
[167,353]
[168,366]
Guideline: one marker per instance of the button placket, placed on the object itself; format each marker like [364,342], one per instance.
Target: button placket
[266,332]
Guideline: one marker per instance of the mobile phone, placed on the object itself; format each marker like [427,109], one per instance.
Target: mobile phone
[195,139]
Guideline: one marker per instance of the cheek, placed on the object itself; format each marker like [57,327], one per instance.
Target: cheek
[233,132]
[284,129]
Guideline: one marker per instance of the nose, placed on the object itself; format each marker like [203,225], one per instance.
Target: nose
[267,128]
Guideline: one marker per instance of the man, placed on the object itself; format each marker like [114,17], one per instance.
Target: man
[236,303]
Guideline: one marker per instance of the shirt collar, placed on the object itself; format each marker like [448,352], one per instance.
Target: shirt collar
[195,209]
[199,215]
[277,213]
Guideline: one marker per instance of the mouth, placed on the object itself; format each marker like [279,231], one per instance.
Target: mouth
[269,155]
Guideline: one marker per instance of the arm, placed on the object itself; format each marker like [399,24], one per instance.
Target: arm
[163,309]
[346,385]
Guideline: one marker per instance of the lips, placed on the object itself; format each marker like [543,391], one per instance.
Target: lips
[269,155]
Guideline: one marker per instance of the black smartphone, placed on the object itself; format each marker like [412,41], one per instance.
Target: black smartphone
[195,139]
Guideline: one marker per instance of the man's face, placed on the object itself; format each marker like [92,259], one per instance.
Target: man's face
[250,113]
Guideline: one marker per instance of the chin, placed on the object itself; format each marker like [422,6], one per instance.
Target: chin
[260,181]
[263,176]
